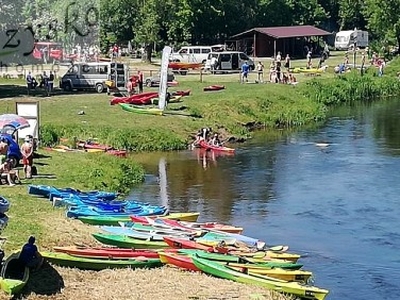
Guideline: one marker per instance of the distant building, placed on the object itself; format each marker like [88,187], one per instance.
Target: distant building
[267,41]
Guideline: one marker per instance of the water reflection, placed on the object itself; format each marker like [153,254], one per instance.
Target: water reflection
[332,194]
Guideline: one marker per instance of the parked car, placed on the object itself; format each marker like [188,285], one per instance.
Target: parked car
[155,80]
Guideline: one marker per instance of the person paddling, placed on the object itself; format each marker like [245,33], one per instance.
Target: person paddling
[215,141]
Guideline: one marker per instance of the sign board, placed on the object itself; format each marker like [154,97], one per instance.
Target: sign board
[30,111]
[162,91]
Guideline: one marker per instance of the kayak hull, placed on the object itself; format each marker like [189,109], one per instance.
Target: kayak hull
[127,242]
[66,260]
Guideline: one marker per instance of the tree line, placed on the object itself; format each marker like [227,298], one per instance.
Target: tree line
[177,22]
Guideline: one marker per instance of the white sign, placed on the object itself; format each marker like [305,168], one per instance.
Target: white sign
[162,91]
[29,111]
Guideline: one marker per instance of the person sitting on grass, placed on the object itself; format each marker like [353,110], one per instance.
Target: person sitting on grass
[215,141]
[3,150]
[30,255]
[12,175]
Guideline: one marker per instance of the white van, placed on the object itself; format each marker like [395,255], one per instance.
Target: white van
[86,76]
[228,60]
[192,54]
[345,39]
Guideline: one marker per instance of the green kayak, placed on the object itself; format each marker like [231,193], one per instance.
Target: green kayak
[115,221]
[141,110]
[294,288]
[103,220]
[14,275]
[122,241]
[237,259]
[66,260]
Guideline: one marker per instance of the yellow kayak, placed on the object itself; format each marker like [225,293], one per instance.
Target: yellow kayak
[279,273]
[305,70]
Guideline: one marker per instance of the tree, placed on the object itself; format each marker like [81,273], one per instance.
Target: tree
[383,18]
[350,14]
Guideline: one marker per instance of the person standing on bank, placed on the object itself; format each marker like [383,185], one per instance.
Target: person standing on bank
[50,84]
[245,72]
[27,157]
[140,81]
[260,72]
[287,62]
[29,82]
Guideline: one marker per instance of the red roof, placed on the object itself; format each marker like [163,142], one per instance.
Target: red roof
[286,31]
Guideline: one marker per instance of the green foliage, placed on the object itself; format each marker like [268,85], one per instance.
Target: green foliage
[351,87]
[350,12]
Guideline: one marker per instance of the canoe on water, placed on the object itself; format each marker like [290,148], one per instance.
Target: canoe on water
[14,275]
[115,221]
[66,260]
[205,145]
[293,288]
[107,253]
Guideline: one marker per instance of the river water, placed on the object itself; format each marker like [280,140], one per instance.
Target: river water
[337,205]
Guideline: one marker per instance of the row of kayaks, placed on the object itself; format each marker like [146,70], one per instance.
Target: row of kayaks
[178,239]
[149,98]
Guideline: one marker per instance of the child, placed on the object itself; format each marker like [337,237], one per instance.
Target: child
[12,175]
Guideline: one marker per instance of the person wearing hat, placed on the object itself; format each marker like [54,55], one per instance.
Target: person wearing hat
[30,255]
[27,157]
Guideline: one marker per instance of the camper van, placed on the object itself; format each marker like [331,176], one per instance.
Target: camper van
[86,76]
[346,39]
[228,60]
[194,54]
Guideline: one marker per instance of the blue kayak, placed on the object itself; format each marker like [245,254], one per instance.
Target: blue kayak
[142,211]
[47,190]
[4,205]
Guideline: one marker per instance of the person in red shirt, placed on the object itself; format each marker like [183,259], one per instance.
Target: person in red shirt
[115,51]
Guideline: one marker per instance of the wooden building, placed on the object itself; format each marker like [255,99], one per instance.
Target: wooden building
[267,41]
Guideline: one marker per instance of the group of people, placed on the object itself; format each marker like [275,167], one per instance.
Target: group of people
[374,60]
[6,163]
[206,134]
[46,82]
[277,72]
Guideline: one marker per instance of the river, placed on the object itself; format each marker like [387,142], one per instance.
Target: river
[337,205]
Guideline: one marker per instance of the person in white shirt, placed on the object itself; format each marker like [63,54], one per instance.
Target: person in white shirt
[260,72]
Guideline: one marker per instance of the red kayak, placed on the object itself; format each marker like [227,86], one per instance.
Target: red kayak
[107,253]
[214,88]
[137,99]
[178,243]
[181,93]
[118,153]
[205,145]
[181,65]
[93,145]
[178,260]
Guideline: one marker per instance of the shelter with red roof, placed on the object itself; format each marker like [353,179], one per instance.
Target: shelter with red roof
[267,41]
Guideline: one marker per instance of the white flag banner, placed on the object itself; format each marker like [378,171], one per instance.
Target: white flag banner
[162,91]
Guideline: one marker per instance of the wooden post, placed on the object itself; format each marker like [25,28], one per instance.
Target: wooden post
[254,44]
[201,74]
[274,48]
[354,55]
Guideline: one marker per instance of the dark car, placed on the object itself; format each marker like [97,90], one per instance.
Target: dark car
[155,80]
[14,152]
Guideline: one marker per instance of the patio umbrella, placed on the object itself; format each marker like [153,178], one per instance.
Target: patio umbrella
[13,120]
